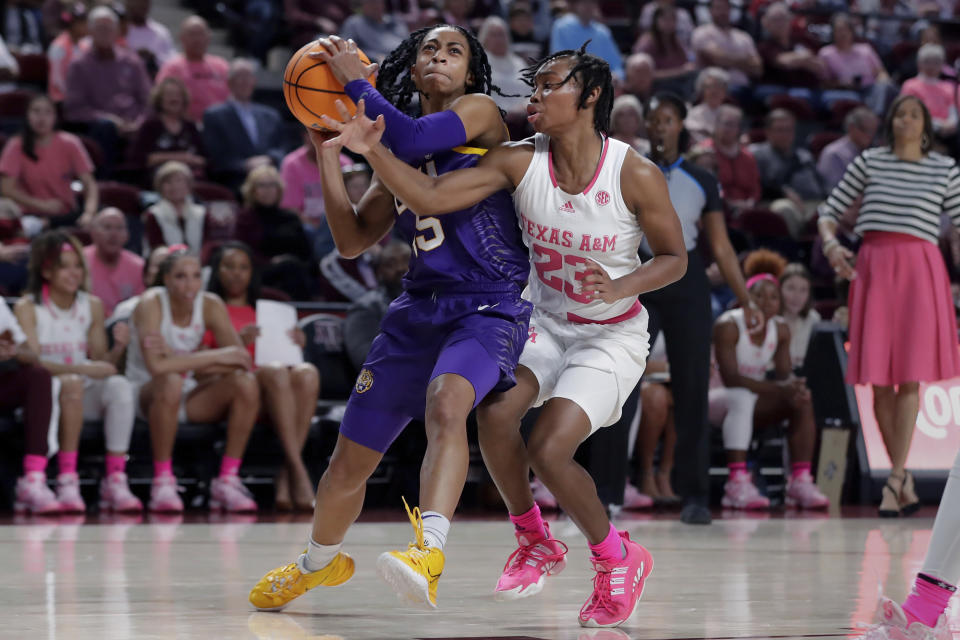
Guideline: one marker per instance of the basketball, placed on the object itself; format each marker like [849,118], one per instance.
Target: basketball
[311,90]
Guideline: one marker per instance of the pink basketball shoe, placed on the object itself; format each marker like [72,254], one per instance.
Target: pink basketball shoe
[633,498]
[34,496]
[891,624]
[617,587]
[68,493]
[164,495]
[229,494]
[803,493]
[740,493]
[115,495]
[527,567]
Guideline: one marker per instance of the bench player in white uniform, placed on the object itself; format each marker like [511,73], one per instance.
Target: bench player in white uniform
[584,201]
[162,361]
[65,325]
[747,399]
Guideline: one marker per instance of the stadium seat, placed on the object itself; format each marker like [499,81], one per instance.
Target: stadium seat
[13,104]
[839,111]
[799,107]
[34,69]
[763,223]
[212,192]
[122,196]
[325,348]
[818,141]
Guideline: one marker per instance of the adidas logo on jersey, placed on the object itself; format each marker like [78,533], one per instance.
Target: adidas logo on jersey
[567,207]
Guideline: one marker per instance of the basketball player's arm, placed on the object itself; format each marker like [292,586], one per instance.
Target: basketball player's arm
[354,228]
[500,168]
[644,191]
[231,354]
[97,337]
[147,318]
[725,337]
[729,265]
[26,315]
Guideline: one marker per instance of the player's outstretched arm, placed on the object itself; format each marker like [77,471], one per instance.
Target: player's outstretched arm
[501,168]
[645,193]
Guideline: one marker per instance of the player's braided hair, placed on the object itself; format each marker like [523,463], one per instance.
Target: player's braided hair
[591,72]
[396,83]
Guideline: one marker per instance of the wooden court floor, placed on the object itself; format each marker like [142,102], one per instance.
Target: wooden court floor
[742,577]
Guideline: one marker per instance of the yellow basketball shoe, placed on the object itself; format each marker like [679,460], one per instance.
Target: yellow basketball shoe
[413,573]
[278,588]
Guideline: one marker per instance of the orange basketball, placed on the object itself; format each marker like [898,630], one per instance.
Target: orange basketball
[311,90]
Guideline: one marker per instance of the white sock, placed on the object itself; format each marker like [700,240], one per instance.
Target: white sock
[318,555]
[435,529]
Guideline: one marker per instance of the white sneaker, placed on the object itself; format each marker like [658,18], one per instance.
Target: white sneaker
[891,624]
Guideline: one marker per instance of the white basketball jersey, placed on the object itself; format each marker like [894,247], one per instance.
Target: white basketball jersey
[62,333]
[179,340]
[562,230]
[753,359]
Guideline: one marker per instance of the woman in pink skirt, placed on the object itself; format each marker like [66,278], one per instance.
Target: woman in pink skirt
[903,330]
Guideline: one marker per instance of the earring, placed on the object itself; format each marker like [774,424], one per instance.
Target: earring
[924,141]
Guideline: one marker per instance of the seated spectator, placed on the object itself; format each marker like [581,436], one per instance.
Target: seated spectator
[798,311]
[176,381]
[747,401]
[721,45]
[861,126]
[106,82]
[150,39]
[671,58]
[583,24]
[363,318]
[168,135]
[853,70]
[684,23]
[656,426]
[303,193]
[711,92]
[938,95]
[639,70]
[356,178]
[204,74]
[115,273]
[374,30]
[24,383]
[65,325]
[627,124]
[790,63]
[38,166]
[306,18]
[929,34]
[737,170]
[456,12]
[64,48]
[523,37]
[506,70]
[176,218]
[241,135]
[275,235]
[788,174]
[124,310]
[23,29]
[347,279]
[289,393]
[890,22]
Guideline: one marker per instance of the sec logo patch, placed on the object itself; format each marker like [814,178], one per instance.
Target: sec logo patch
[602,197]
[364,381]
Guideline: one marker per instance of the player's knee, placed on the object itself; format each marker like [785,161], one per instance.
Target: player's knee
[274,376]
[545,457]
[119,387]
[305,378]
[446,411]
[71,388]
[246,389]
[343,477]
[168,389]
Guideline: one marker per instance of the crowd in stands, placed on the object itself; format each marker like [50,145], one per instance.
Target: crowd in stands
[131,137]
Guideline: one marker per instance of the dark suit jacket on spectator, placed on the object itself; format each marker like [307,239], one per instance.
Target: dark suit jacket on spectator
[228,144]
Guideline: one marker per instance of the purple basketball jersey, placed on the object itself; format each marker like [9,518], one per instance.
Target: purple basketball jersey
[480,244]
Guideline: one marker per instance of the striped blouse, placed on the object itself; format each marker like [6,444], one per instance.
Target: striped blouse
[898,195]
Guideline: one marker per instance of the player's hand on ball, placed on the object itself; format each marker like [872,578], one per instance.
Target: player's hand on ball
[343,59]
[357,133]
[598,284]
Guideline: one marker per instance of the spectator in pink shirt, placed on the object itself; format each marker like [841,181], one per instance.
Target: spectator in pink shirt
[936,94]
[37,167]
[115,273]
[721,45]
[304,194]
[149,38]
[853,70]
[64,48]
[205,75]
